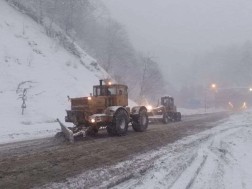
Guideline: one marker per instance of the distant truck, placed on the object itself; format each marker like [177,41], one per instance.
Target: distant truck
[166,112]
[107,107]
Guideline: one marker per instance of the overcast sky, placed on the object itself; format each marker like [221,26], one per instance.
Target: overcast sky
[187,25]
[173,30]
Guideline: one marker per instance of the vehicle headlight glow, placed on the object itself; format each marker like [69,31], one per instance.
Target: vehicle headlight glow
[92,120]
[231,105]
[89,98]
[149,107]
[244,105]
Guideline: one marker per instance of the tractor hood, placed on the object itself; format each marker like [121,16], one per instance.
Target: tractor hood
[80,103]
[91,104]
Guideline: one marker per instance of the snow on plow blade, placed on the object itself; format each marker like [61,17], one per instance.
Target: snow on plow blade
[67,132]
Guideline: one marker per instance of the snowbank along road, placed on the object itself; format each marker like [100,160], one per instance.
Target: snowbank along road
[95,160]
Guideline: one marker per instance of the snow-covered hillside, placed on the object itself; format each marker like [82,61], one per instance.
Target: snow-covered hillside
[29,59]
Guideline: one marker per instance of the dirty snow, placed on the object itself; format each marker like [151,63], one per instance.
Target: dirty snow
[217,158]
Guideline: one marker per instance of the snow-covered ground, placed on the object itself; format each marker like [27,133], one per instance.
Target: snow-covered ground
[29,59]
[186,111]
[217,158]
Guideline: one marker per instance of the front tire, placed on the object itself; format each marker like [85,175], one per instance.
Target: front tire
[141,122]
[165,119]
[119,125]
[178,116]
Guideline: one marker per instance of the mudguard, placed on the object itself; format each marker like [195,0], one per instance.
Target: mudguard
[112,109]
[136,109]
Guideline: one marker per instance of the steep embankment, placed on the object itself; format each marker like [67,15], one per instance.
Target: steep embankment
[31,60]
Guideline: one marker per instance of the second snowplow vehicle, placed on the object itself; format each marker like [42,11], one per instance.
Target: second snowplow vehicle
[107,107]
[166,112]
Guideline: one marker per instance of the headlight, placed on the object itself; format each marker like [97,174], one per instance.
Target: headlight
[89,98]
[92,120]
[149,107]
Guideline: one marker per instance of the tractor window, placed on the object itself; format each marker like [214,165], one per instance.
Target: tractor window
[122,91]
[112,91]
[100,91]
[97,91]
[166,102]
[172,101]
[109,90]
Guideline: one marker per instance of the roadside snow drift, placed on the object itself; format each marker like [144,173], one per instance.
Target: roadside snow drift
[31,60]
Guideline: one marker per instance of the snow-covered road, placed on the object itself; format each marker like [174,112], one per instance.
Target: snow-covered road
[217,158]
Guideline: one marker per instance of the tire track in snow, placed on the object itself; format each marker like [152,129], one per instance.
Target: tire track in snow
[197,172]
[212,151]
[183,160]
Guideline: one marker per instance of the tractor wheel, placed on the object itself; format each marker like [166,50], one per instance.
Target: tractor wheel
[178,116]
[165,119]
[119,125]
[140,123]
[171,116]
[174,116]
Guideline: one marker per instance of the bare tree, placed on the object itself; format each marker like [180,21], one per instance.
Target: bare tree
[24,98]
[152,84]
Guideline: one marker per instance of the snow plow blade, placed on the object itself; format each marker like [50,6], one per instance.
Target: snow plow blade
[67,132]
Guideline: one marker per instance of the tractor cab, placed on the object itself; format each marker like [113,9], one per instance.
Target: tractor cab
[168,102]
[110,90]
[113,94]
[166,112]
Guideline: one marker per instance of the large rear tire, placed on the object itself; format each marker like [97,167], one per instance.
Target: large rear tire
[178,116]
[140,122]
[165,119]
[171,116]
[119,125]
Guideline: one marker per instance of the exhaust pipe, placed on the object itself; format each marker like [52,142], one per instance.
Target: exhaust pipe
[100,82]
